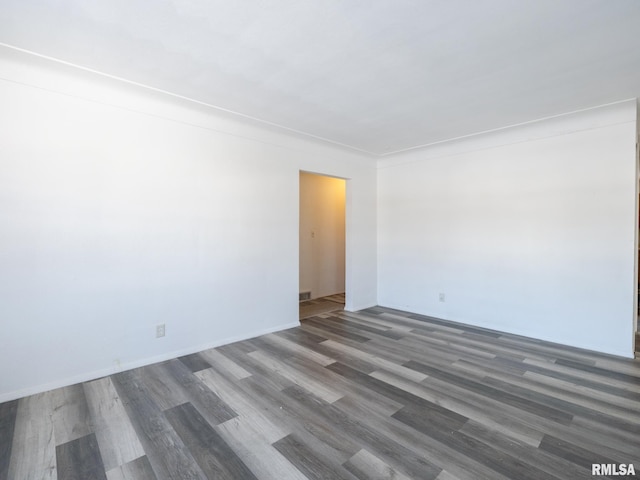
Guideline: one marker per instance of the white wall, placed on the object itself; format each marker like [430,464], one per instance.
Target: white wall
[530,230]
[322,234]
[122,208]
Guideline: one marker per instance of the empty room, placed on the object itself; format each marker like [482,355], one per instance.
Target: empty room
[179,298]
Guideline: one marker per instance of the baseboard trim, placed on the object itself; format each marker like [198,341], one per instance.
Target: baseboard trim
[515,331]
[364,306]
[95,374]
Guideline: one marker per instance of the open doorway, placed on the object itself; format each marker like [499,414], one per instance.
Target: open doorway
[322,244]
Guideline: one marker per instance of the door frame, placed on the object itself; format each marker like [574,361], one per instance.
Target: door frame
[347,232]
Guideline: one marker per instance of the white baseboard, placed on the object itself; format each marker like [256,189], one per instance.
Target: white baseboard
[528,333]
[95,374]
[356,308]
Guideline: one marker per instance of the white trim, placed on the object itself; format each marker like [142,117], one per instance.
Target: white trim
[515,331]
[88,376]
[565,123]
[357,308]
[288,130]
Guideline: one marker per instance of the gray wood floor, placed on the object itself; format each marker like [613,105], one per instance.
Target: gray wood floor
[377,394]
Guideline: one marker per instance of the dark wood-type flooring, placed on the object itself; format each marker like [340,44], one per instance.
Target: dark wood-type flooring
[378,394]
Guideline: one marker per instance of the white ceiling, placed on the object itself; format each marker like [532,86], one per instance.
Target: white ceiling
[379,76]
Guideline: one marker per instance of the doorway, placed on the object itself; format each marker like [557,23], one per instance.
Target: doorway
[322,244]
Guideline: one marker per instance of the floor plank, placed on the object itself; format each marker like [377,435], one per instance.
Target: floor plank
[70,414]
[308,461]
[168,455]
[211,452]
[8,411]
[33,454]
[116,436]
[138,469]
[80,459]
[367,466]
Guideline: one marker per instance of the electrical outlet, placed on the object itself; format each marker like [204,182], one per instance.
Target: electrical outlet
[160,330]
[441,297]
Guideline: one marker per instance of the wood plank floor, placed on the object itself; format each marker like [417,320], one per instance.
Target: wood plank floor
[378,394]
[318,306]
